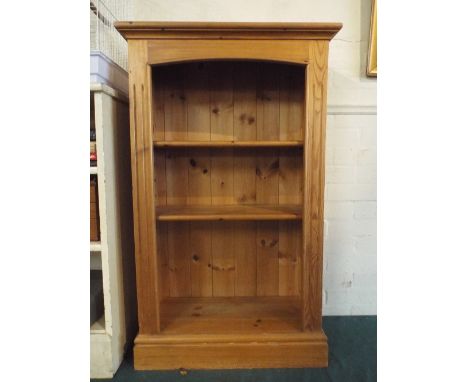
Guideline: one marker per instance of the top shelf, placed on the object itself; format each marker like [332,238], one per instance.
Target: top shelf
[229,212]
[228,143]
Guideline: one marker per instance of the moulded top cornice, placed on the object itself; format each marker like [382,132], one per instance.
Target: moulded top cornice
[229,30]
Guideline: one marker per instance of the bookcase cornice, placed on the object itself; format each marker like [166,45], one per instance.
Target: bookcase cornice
[227,30]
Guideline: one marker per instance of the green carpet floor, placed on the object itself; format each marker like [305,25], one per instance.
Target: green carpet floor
[352,344]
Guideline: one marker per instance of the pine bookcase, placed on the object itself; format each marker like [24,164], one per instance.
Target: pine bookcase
[228,138]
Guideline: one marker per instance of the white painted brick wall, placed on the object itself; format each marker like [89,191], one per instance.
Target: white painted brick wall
[350,277]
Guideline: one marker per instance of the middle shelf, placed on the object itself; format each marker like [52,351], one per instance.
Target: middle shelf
[236,144]
[229,212]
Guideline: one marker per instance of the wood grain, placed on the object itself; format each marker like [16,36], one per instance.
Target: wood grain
[222,177]
[167,51]
[268,127]
[225,176]
[157,110]
[266,181]
[289,254]
[141,138]
[291,94]
[314,164]
[229,212]
[221,102]
[163,261]
[236,144]
[215,104]
[198,162]
[245,130]
[234,332]
[175,105]
[160,185]
[245,101]
[198,101]
[177,177]
[232,355]
[268,106]
[230,315]
[228,30]
[179,258]
[267,258]
[244,177]
[245,253]
[223,260]
[290,185]
[168,338]
[201,273]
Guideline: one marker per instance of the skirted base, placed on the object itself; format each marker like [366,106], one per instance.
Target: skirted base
[279,350]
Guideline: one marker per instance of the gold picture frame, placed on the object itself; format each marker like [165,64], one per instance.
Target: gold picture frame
[372,54]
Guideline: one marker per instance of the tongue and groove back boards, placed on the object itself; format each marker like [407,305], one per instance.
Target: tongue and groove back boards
[228,101]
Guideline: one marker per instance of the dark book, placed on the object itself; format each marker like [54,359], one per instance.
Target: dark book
[96,296]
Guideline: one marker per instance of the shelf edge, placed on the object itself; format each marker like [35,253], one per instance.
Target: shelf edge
[95,246]
[172,218]
[253,144]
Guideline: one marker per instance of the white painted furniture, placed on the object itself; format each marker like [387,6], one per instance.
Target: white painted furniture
[104,70]
[114,253]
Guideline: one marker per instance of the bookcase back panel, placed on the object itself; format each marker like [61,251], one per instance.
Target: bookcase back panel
[205,259]
[228,101]
[229,258]
[202,176]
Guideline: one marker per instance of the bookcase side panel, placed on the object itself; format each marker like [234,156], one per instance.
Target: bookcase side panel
[314,150]
[142,183]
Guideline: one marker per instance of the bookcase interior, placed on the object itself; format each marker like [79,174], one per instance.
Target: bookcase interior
[228,101]
[228,172]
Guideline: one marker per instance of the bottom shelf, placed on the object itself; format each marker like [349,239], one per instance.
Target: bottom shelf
[230,315]
[230,333]
[99,326]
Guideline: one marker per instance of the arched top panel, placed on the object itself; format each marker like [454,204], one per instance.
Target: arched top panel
[173,51]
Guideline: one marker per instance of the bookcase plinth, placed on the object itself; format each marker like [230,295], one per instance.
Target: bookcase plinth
[282,350]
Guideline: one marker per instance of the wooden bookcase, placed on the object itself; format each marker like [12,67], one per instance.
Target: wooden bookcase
[228,138]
